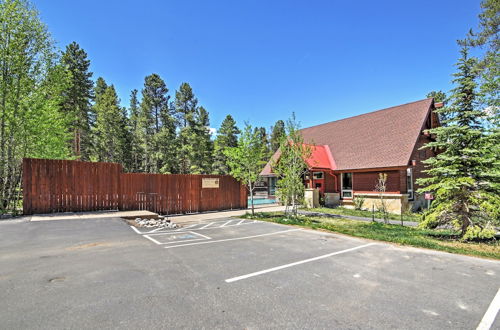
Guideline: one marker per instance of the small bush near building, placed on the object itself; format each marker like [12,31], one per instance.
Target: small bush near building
[358,202]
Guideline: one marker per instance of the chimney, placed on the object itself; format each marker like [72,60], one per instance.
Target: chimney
[438,105]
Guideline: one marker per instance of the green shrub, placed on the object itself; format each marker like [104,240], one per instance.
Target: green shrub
[429,221]
[478,233]
[358,202]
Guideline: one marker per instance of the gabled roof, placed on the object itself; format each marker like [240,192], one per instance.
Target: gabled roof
[321,158]
[384,138]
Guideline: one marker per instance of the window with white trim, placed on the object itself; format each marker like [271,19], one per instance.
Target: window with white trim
[346,185]
[409,182]
[317,175]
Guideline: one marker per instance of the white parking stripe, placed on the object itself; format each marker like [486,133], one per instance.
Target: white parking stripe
[200,235]
[242,277]
[226,223]
[239,223]
[491,313]
[179,240]
[155,230]
[152,239]
[205,226]
[198,229]
[234,239]
[184,228]
[136,230]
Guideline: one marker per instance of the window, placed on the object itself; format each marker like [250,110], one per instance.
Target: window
[423,154]
[346,185]
[317,175]
[409,183]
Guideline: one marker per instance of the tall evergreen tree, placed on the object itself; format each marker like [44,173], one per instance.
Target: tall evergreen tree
[438,96]
[77,98]
[155,118]
[262,134]
[136,149]
[227,137]
[461,174]
[487,41]
[186,106]
[110,131]
[277,134]
[201,158]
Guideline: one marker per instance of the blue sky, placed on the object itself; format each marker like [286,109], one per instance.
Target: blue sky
[262,60]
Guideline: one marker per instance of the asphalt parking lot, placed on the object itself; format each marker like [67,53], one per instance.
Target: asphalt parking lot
[232,273]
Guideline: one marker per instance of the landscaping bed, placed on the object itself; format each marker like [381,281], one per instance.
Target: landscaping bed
[364,213]
[438,239]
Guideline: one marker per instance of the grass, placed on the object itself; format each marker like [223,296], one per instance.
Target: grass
[363,213]
[441,240]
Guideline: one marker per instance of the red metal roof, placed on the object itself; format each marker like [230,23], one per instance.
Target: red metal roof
[320,158]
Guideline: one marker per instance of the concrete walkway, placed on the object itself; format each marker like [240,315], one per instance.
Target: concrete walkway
[179,219]
[200,217]
[90,215]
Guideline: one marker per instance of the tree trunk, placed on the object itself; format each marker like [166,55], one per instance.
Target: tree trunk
[251,198]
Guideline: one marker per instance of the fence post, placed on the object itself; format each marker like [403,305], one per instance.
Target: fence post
[26,187]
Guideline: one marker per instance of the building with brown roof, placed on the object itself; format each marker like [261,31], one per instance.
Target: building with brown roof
[350,153]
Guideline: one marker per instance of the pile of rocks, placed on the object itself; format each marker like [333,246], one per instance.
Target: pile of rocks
[158,222]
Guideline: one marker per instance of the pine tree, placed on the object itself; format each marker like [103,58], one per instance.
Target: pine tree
[227,137]
[77,98]
[186,106]
[110,130]
[157,126]
[202,146]
[278,132]
[136,150]
[262,134]
[438,96]
[487,41]
[460,175]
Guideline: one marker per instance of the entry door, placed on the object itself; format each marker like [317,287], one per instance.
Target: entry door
[346,183]
[272,186]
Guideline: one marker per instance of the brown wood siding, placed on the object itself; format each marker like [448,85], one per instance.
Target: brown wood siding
[419,156]
[366,181]
[329,183]
[72,186]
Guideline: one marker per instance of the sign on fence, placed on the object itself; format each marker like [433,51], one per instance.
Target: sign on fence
[210,183]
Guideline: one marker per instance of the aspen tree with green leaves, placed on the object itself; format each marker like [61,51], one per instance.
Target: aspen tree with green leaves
[32,123]
[291,167]
[245,160]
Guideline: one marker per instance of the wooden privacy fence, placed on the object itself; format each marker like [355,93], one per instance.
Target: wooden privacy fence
[73,186]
